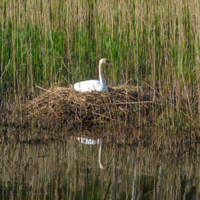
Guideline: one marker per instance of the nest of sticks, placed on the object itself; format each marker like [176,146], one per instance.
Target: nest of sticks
[60,106]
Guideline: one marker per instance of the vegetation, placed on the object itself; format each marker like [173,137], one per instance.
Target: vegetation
[151,43]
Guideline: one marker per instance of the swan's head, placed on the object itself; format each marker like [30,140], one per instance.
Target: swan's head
[105,61]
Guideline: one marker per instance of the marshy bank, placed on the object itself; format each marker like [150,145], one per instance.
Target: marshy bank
[125,114]
[149,127]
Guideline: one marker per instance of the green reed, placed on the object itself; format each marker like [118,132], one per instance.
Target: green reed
[147,41]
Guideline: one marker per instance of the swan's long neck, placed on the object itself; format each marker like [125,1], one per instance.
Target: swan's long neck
[101,73]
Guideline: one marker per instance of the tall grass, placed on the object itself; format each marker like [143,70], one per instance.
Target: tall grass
[153,42]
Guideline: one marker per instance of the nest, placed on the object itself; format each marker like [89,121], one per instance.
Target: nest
[61,105]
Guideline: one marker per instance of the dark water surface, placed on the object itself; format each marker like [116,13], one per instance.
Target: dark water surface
[73,170]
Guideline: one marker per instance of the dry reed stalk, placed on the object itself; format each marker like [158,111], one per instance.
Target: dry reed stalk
[195,21]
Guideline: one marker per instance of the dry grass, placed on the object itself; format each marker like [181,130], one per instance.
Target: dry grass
[76,109]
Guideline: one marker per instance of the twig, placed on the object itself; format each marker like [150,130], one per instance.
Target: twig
[48,91]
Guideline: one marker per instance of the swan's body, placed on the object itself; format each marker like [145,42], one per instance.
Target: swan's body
[94,85]
[90,85]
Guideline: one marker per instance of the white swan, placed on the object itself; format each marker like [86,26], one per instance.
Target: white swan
[94,85]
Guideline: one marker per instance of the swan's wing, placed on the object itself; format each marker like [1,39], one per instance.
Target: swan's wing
[88,86]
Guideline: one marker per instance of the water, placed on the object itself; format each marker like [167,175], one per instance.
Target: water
[75,170]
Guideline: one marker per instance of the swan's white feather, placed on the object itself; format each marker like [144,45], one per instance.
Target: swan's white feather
[90,85]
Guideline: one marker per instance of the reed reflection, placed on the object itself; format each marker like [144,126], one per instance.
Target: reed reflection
[78,168]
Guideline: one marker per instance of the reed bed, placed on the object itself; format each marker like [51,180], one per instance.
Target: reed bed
[51,42]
